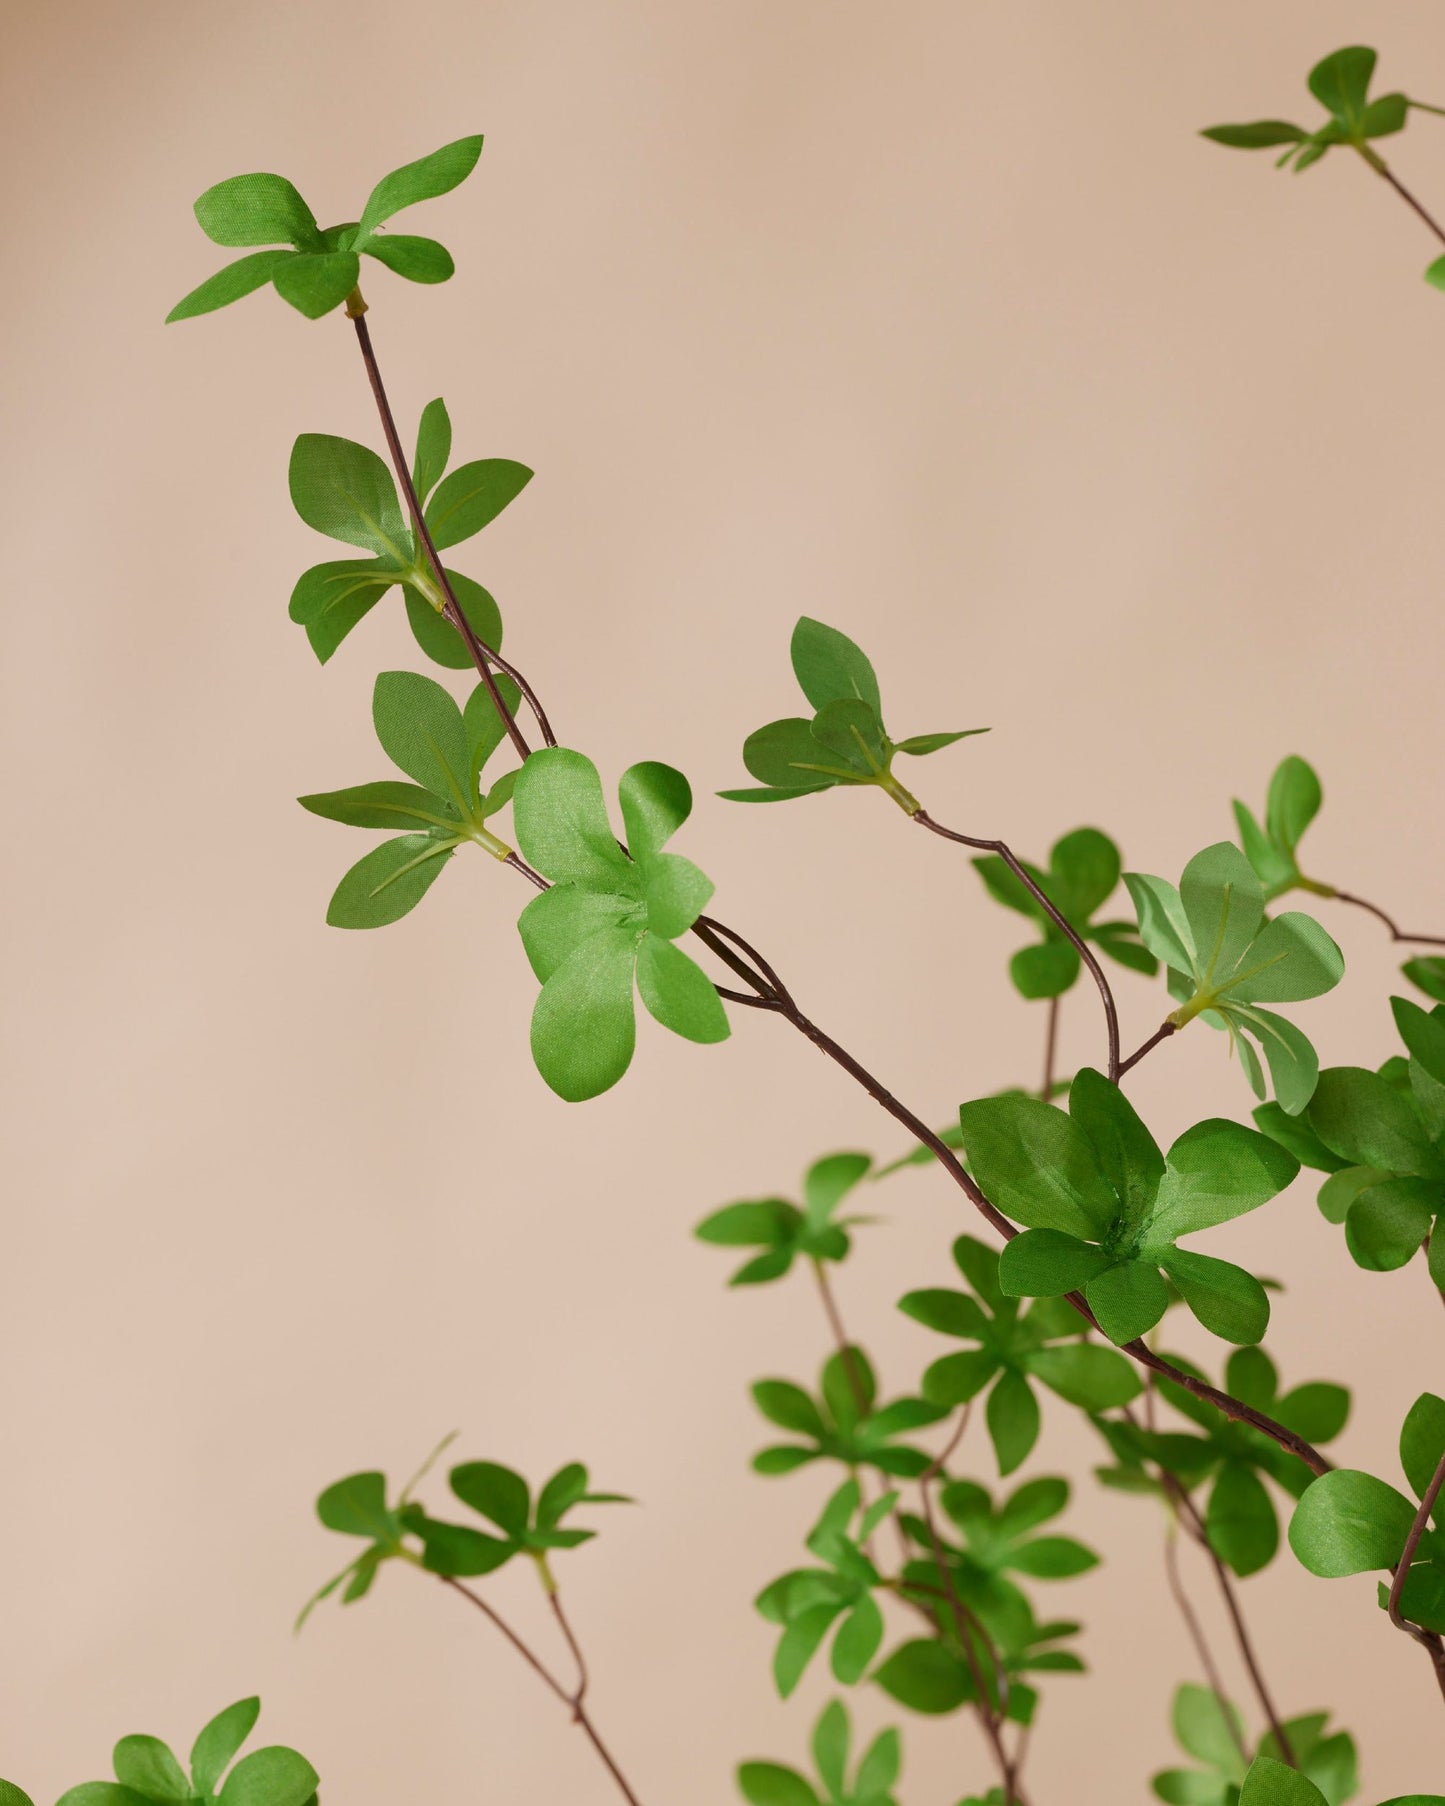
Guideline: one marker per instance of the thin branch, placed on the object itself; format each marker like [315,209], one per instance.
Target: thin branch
[1162,1033]
[482,656]
[1396,932]
[572,1700]
[1382,169]
[1051,1042]
[1198,1638]
[1429,1640]
[1055,915]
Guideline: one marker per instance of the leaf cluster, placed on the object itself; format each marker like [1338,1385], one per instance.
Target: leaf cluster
[843,1422]
[148,1774]
[346,491]
[844,742]
[609,919]
[1104,1208]
[443,749]
[838,1784]
[1340,82]
[1212,1732]
[320,267]
[783,1232]
[1016,1346]
[1083,873]
[1272,846]
[1225,961]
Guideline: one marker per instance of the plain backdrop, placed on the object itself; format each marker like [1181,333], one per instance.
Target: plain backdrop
[936,320]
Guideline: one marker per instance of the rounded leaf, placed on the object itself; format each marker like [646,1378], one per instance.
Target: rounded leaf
[1348,1523]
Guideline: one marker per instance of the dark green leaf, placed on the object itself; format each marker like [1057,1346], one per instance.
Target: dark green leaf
[436,636]
[385,805]
[925,1677]
[423,180]
[1012,1416]
[357,1506]
[1128,1299]
[1043,1263]
[418,259]
[1363,1118]
[1386,1224]
[1240,1520]
[1037,1165]
[496,1492]
[1341,81]
[315,285]
[829,666]
[768,1784]
[1228,1301]
[1261,134]
[433,448]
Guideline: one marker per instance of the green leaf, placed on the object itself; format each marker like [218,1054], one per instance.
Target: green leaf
[829,666]
[784,754]
[101,1793]
[1317,1411]
[857,1641]
[257,210]
[1004,886]
[147,1765]
[1037,1165]
[799,1644]
[583,1027]
[345,491]
[1260,134]
[421,732]
[496,1492]
[270,1777]
[678,993]
[789,1407]
[1216,1171]
[879,1770]
[218,1742]
[357,1506]
[1341,81]
[828,1181]
[1291,959]
[1128,1299]
[562,826]
[1297,1137]
[1084,871]
[1228,1301]
[473,496]
[330,599]
[384,805]
[1423,1033]
[925,1677]
[950,1313]
[1293,802]
[423,180]
[485,729]
[11,1795]
[315,285]
[561,919]
[769,1784]
[233,283]
[1422,1441]
[959,1377]
[1043,1263]
[1054,1558]
[418,259]
[1293,1066]
[1240,1520]
[919,745]
[1045,970]
[1203,1729]
[749,1224]
[1095,1379]
[656,800]
[388,882]
[1012,1416]
[1365,1120]
[1386,1224]
[436,636]
[1349,1522]
[1428,973]
[1127,1153]
[1271,1783]
[456,1550]
[1223,905]
[851,737]
[1163,927]
[675,893]
[433,448]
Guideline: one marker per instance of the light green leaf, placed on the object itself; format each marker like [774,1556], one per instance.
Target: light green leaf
[1094,1379]
[583,1026]
[1293,1064]
[656,800]
[857,1641]
[1223,903]
[257,210]
[562,826]
[423,180]
[678,993]
[420,729]
[879,1770]
[675,893]
[1228,1301]
[560,919]
[1349,1522]
[357,1506]
[345,491]
[1293,802]
[1045,1263]
[1203,1728]
[1271,1783]
[1292,959]
[1163,926]
[1046,969]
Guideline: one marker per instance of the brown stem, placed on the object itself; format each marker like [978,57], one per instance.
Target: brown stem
[965,1623]
[573,1700]
[1198,1638]
[1396,932]
[1051,1041]
[483,657]
[1162,1033]
[1055,915]
[1381,168]
[1429,1640]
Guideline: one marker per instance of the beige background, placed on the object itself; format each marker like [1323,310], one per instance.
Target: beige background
[936,320]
